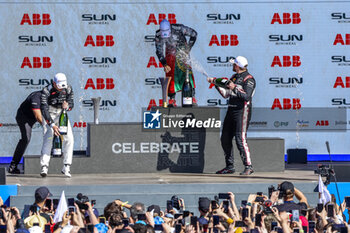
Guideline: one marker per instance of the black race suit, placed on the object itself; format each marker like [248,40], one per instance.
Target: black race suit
[25,119]
[237,117]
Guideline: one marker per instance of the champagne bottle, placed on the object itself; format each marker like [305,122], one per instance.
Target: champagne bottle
[63,123]
[221,82]
[57,146]
[187,92]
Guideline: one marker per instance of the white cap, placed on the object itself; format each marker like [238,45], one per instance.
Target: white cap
[164,28]
[61,80]
[240,61]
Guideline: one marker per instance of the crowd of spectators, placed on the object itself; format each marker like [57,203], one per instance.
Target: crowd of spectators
[276,212]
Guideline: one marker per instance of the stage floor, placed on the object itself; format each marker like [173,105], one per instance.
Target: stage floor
[294,173]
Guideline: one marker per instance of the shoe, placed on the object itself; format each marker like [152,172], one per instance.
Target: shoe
[248,170]
[226,171]
[66,171]
[13,169]
[195,103]
[172,103]
[44,170]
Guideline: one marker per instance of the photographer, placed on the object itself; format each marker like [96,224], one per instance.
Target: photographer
[86,209]
[41,194]
[287,191]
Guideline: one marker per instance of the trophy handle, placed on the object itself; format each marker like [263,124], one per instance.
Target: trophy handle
[165,82]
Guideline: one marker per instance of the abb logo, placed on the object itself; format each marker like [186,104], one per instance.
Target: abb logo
[225,40]
[36,19]
[79,125]
[152,18]
[322,123]
[152,62]
[100,41]
[287,61]
[339,82]
[100,84]
[152,103]
[287,18]
[37,62]
[287,104]
[213,85]
[339,39]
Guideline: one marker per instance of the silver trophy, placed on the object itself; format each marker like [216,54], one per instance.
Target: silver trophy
[165,84]
[96,102]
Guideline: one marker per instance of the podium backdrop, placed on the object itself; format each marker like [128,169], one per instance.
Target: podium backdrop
[298,53]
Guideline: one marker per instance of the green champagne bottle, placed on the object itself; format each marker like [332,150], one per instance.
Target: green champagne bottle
[63,123]
[221,82]
[57,146]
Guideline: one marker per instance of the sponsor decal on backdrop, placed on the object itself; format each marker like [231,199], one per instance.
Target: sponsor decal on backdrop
[219,61]
[153,82]
[286,18]
[153,62]
[34,84]
[342,39]
[258,124]
[342,82]
[105,104]
[36,62]
[278,124]
[151,39]
[341,102]
[302,123]
[223,18]
[28,40]
[341,60]
[36,19]
[217,102]
[99,62]
[99,19]
[287,39]
[281,82]
[286,61]
[286,104]
[99,41]
[100,84]
[224,40]
[155,19]
[341,17]
[322,123]
[79,124]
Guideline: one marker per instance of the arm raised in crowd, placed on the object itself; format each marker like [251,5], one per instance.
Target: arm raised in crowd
[300,196]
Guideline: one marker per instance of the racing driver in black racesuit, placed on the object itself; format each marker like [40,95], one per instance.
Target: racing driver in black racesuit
[240,90]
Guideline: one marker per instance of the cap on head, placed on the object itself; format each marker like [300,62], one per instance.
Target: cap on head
[61,80]
[41,194]
[164,28]
[285,186]
[240,61]
[203,204]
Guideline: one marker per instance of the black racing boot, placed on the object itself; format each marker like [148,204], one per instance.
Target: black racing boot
[13,169]
[248,170]
[226,170]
